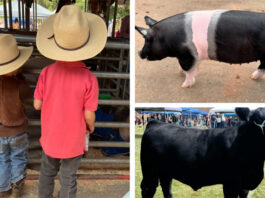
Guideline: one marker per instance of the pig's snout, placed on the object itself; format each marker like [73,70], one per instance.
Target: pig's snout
[140,53]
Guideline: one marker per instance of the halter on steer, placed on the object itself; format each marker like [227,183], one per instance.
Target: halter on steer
[260,125]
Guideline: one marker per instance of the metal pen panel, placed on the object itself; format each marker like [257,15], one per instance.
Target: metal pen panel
[97,124]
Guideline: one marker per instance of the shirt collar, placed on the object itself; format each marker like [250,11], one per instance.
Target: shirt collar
[71,64]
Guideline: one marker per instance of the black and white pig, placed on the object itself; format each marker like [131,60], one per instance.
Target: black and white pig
[229,36]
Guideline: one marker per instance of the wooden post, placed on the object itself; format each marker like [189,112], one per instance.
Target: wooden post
[19,14]
[27,18]
[5,14]
[107,13]
[33,15]
[114,18]
[10,14]
[36,13]
[23,14]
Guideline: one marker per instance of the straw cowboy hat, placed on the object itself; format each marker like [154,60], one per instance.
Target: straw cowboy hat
[12,57]
[71,35]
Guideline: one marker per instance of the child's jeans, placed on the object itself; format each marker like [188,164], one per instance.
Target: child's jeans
[13,160]
[49,168]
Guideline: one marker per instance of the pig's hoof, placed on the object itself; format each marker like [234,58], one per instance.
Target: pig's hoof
[187,85]
[257,74]
[253,77]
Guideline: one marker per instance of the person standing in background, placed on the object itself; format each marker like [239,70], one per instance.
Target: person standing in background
[15,24]
[223,124]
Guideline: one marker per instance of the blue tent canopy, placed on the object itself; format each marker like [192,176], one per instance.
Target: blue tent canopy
[148,112]
[170,112]
[186,111]
[229,114]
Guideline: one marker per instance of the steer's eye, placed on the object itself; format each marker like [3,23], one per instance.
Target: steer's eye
[259,121]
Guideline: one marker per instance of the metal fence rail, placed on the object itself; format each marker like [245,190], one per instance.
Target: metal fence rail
[100,102]
[87,176]
[116,75]
[114,102]
[97,124]
[36,144]
[109,44]
[92,160]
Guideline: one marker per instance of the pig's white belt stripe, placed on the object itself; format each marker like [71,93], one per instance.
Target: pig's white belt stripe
[200,28]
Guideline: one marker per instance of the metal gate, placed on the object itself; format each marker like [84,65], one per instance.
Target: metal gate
[114,60]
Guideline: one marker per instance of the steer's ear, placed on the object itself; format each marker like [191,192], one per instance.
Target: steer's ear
[142,31]
[243,113]
[149,21]
[258,115]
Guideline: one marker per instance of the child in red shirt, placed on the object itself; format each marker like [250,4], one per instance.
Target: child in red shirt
[66,94]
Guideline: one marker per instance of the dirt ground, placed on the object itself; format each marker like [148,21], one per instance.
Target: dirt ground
[94,188]
[86,188]
[159,81]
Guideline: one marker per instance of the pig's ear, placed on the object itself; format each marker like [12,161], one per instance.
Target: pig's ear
[149,21]
[142,31]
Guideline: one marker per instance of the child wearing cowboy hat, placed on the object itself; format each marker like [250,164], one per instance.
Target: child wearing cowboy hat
[66,94]
[13,121]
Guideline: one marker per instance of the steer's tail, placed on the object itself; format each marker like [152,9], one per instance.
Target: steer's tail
[149,168]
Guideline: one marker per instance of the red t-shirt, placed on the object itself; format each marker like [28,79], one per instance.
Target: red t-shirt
[66,89]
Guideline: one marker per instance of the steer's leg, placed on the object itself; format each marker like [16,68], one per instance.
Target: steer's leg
[230,191]
[149,168]
[150,174]
[166,186]
[148,185]
[243,193]
[260,71]
[190,67]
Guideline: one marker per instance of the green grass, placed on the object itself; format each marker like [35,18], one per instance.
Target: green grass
[180,190]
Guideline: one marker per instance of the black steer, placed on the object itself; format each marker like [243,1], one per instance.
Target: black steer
[232,156]
[224,35]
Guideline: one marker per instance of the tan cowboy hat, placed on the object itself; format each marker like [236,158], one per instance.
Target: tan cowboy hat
[12,57]
[71,35]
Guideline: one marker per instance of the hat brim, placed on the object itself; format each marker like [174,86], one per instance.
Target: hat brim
[97,40]
[25,53]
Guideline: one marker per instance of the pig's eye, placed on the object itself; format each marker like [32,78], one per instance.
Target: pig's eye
[149,39]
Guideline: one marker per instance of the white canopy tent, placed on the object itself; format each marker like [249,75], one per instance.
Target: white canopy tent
[41,11]
[226,109]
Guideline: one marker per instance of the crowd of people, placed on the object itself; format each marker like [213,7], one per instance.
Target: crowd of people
[210,121]
[222,121]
